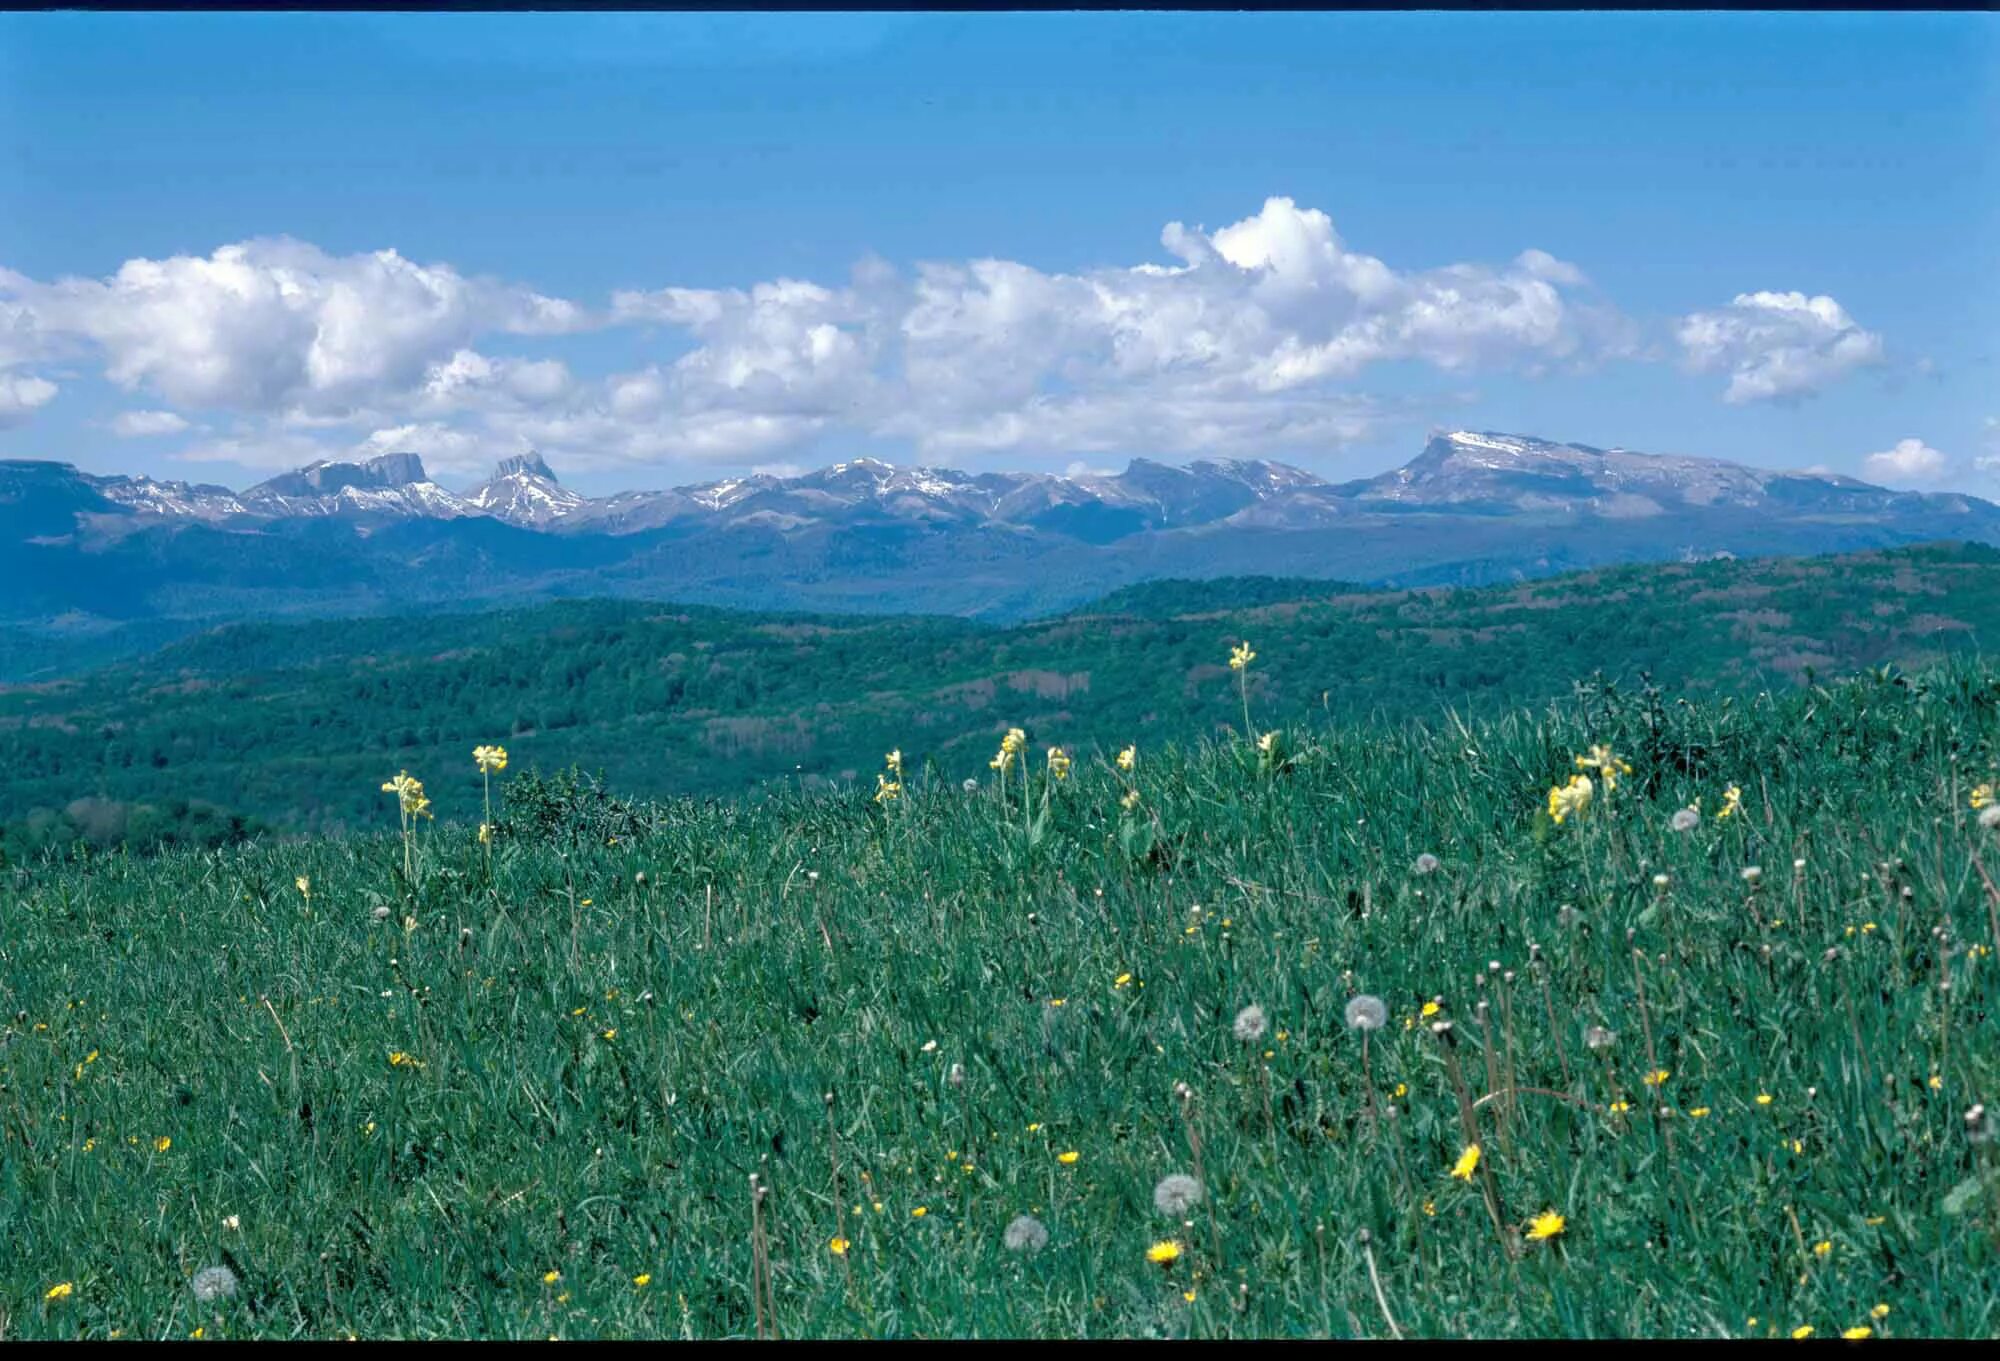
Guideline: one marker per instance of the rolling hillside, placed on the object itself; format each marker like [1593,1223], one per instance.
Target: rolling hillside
[296,725]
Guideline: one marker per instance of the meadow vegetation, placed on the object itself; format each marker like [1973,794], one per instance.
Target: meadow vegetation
[1338,1029]
[255,727]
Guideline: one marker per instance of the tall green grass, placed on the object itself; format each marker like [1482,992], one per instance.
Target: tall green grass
[602,1043]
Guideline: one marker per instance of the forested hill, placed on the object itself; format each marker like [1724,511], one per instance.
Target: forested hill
[297,725]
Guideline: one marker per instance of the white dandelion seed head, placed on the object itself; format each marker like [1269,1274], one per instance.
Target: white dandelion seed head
[1685,820]
[1366,1012]
[1025,1233]
[1989,816]
[1597,1037]
[971,786]
[1427,863]
[380,914]
[957,1075]
[1751,874]
[1250,1024]
[1176,1194]
[213,1283]
[1661,881]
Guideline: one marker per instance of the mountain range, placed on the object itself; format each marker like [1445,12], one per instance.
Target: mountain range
[77,549]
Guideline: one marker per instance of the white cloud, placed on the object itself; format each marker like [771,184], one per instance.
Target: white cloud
[21,395]
[1256,337]
[1910,463]
[1777,346]
[443,449]
[141,424]
[269,323]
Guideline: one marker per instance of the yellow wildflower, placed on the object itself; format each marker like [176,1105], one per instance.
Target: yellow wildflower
[837,1246]
[919,1212]
[490,759]
[1982,796]
[1130,801]
[1164,1253]
[61,1290]
[1803,1331]
[1058,763]
[1859,1331]
[1606,764]
[305,887]
[1879,1311]
[1823,1248]
[1732,802]
[1128,758]
[1763,1098]
[1467,1163]
[1545,1225]
[643,1279]
[1241,656]
[894,760]
[162,1144]
[1066,1159]
[886,789]
[1657,1077]
[1570,800]
[551,1277]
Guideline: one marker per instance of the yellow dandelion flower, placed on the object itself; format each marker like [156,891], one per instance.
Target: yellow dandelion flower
[162,1144]
[61,1290]
[1880,1311]
[1121,980]
[1823,1248]
[1859,1331]
[1067,1159]
[551,1277]
[1165,1253]
[1982,796]
[1803,1331]
[643,1279]
[1620,1107]
[837,1246]
[1763,1098]
[1468,1162]
[1657,1077]
[919,1212]
[1430,1009]
[1545,1225]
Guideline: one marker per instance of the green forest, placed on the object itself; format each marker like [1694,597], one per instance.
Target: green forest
[293,727]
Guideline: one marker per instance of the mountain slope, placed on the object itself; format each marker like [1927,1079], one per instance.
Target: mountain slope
[300,723]
[1471,508]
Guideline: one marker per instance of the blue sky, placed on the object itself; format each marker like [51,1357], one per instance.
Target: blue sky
[661,247]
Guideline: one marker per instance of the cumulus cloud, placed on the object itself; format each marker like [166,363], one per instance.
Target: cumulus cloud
[1257,337]
[141,424]
[1777,346]
[265,324]
[1910,463]
[21,395]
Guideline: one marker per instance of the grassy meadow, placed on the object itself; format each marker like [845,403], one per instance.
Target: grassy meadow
[1718,1076]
